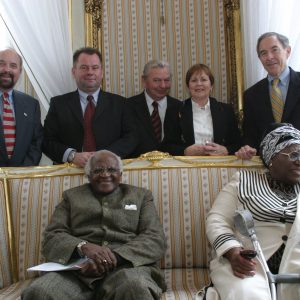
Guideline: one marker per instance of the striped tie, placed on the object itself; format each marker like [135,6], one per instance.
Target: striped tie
[276,100]
[156,122]
[9,126]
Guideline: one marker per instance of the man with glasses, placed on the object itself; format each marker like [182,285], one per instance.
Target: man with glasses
[112,224]
[275,98]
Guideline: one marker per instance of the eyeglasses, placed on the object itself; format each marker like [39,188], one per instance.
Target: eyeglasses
[101,171]
[293,156]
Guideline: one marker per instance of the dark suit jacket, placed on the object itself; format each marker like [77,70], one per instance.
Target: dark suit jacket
[29,133]
[225,128]
[112,125]
[258,109]
[147,141]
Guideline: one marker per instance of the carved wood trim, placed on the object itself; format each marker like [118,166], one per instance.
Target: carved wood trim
[234,55]
[93,22]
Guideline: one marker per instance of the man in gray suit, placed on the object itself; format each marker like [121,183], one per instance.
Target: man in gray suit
[21,131]
[116,227]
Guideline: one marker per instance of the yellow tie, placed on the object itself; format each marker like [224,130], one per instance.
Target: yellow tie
[276,99]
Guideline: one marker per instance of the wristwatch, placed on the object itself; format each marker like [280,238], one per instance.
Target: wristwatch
[71,156]
[79,251]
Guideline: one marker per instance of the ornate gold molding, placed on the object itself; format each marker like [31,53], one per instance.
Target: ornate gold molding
[234,55]
[93,23]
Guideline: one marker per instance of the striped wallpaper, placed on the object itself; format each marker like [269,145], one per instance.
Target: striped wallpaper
[183,32]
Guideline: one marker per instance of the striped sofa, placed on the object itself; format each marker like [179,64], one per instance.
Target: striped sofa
[183,188]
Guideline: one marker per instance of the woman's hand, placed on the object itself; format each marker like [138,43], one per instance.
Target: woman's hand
[214,149]
[245,152]
[207,149]
[241,267]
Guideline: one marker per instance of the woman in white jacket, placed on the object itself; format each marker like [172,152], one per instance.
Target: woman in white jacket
[272,197]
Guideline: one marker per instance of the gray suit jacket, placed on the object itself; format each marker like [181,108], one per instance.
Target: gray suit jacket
[29,133]
[134,234]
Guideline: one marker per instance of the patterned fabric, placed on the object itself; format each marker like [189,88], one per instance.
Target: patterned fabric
[13,292]
[265,206]
[9,126]
[277,140]
[89,142]
[276,100]
[283,190]
[156,121]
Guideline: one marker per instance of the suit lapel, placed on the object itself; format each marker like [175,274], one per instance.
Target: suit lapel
[216,116]
[22,118]
[3,152]
[142,112]
[264,102]
[75,106]
[187,125]
[293,95]
[102,104]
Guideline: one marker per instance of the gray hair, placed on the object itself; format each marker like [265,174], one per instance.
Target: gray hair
[154,64]
[90,163]
[283,40]
[14,51]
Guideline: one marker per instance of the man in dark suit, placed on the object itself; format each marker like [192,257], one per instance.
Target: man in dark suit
[116,227]
[156,80]
[21,131]
[273,50]
[88,119]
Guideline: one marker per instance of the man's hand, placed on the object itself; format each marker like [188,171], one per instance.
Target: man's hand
[241,267]
[214,149]
[103,259]
[194,150]
[91,269]
[81,158]
[246,152]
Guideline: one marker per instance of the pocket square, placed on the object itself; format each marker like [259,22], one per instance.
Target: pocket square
[130,207]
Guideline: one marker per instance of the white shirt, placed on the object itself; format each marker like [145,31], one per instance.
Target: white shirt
[162,108]
[83,100]
[203,125]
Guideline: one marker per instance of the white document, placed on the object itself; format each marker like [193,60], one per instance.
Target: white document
[51,266]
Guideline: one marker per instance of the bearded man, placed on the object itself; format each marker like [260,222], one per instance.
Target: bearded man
[21,132]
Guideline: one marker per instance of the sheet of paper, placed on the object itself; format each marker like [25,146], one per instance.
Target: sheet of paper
[51,266]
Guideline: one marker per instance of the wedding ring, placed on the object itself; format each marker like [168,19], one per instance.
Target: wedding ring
[104,261]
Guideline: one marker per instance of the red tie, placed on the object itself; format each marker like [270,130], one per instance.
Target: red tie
[89,142]
[9,126]
[156,122]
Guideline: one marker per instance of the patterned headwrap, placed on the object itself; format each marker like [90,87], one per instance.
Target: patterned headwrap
[277,140]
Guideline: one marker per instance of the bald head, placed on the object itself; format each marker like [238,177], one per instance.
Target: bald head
[10,69]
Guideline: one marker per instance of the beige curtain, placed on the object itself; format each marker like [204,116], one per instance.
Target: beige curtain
[183,32]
